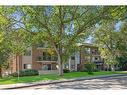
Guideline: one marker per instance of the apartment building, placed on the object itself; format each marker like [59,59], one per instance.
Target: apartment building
[87,53]
[90,53]
[38,58]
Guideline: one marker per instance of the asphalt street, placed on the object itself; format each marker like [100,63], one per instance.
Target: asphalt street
[119,82]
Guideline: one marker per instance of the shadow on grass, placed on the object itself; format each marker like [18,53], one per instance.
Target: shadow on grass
[90,73]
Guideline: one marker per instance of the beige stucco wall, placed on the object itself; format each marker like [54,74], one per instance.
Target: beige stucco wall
[27,59]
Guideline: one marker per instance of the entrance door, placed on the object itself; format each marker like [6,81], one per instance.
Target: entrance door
[49,66]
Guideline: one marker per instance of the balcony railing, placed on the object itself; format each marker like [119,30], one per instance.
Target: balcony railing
[40,58]
[87,52]
[95,52]
[42,46]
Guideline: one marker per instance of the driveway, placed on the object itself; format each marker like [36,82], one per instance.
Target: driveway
[119,82]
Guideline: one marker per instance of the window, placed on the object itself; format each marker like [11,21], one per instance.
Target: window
[27,66]
[46,67]
[95,51]
[27,53]
[87,50]
[54,58]
[46,56]
[72,57]
[96,58]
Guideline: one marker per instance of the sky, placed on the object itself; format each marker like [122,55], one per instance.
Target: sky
[117,26]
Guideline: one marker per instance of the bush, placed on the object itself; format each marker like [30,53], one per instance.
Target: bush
[96,70]
[66,71]
[28,72]
[90,67]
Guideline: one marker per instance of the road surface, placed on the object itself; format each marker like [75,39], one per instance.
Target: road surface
[119,82]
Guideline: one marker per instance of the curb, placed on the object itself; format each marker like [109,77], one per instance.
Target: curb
[63,81]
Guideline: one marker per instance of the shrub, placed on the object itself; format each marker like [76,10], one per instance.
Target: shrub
[66,70]
[28,72]
[90,67]
[96,70]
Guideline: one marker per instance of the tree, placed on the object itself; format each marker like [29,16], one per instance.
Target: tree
[122,62]
[14,41]
[112,41]
[106,38]
[61,26]
[122,45]
[5,50]
[20,41]
[122,39]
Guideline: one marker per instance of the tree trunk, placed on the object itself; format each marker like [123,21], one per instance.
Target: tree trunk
[0,72]
[108,67]
[18,64]
[112,68]
[60,65]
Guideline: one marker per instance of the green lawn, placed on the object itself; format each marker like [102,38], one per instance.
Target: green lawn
[70,75]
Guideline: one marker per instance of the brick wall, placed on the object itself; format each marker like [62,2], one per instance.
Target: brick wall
[35,52]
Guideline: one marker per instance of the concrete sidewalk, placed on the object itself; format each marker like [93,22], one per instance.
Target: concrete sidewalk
[30,84]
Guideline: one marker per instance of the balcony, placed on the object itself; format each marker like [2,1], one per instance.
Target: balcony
[99,62]
[86,51]
[49,58]
[95,52]
[42,46]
